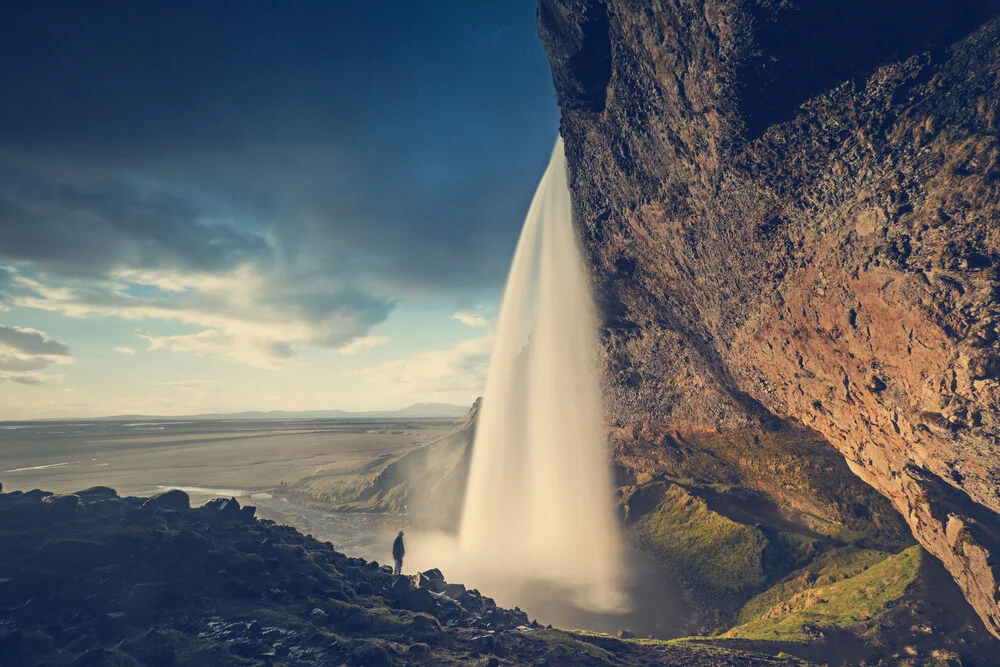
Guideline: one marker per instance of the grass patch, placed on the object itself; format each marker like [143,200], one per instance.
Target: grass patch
[858,592]
[718,557]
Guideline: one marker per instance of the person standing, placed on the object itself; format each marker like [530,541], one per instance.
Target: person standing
[397,554]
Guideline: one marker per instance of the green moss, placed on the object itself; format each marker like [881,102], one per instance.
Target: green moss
[826,569]
[719,557]
[851,601]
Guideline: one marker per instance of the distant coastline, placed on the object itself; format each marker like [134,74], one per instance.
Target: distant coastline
[415,411]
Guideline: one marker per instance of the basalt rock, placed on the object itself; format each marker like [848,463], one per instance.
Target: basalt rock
[791,211]
[122,582]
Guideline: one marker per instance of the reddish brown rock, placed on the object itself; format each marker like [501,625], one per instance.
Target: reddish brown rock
[792,210]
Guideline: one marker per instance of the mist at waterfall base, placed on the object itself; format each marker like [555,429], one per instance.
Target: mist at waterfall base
[539,527]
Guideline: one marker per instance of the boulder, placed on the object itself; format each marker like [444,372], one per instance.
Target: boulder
[433,574]
[35,494]
[96,493]
[454,591]
[229,510]
[171,501]
[62,506]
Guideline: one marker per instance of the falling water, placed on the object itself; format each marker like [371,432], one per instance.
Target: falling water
[539,500]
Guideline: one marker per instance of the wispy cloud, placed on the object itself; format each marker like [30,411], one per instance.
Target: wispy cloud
[193,385]
[245,316]
[471,319]
[361,344]
[31,341]
[127,351]
[458,372]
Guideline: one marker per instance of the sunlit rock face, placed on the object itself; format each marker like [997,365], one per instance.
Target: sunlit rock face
[792,211]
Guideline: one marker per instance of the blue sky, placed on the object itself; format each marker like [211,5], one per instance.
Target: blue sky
[260,205]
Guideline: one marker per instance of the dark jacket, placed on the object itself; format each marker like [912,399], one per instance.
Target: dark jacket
[397,548]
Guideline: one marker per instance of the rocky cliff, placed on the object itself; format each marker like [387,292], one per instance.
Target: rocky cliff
[792,211]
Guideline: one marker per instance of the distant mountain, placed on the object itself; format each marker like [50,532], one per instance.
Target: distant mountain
[415,411]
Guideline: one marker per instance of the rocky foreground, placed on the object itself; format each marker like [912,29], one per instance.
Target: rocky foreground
[95,579]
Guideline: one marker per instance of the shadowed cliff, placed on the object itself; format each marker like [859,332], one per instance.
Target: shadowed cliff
[790,210]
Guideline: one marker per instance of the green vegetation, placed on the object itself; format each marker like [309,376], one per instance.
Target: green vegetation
[851,589]
[719,557]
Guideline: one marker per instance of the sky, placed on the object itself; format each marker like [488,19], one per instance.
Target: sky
[225,206]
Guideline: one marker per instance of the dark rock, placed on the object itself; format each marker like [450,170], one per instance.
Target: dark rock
[369,654]
[387,569]
[189,544]
[229,510]
[434,585]
[625,634]
[454,591]
[62,506]
[10,641]
[248,513]
[72,554]
[35,494]
[318,617]
[244,649]
[172,501]
[433,574]
[111,627]
[94,656]
[96,493]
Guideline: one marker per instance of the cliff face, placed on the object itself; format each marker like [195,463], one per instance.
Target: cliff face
[792,211]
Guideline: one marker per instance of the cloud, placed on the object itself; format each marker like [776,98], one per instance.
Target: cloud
[361,344]
[127,351]
[471,319]
[31,341]
[25,351]
[23,379]
[458,371]
[193,385]
[251,351]
[246,315]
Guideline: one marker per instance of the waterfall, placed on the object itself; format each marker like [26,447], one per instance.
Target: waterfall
[539,504]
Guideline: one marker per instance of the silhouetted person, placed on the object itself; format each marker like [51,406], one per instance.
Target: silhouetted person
[397,553]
